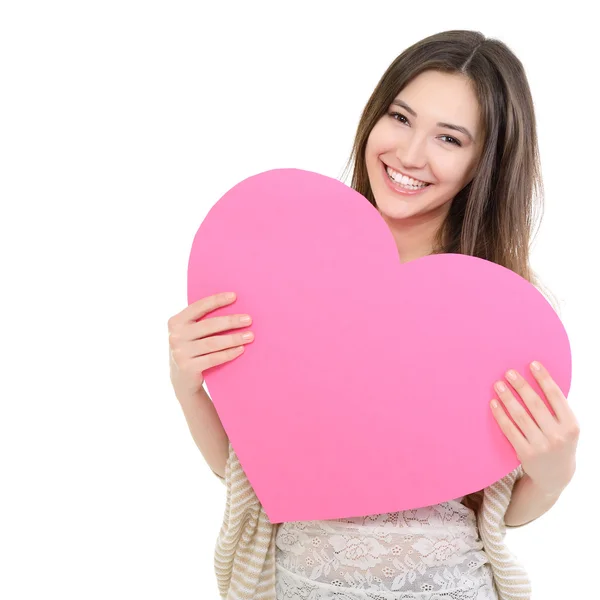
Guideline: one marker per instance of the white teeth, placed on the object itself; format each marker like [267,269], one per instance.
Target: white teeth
[403,180]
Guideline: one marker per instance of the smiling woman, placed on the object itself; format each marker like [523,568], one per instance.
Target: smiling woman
[421,153]
[455,111]
[446,150]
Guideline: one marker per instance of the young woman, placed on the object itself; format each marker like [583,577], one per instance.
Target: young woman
[446,150]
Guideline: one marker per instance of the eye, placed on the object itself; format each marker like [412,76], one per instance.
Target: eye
[453,140]
[397,114]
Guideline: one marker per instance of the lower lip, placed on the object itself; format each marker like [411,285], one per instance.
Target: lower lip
[398,189]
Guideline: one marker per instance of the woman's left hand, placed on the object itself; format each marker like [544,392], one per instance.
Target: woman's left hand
[545,446]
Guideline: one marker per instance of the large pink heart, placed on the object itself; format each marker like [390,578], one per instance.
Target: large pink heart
[367,387]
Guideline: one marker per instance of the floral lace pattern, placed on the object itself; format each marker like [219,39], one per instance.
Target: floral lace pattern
[431,553]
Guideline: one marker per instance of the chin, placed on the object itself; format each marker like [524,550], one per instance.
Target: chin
[397,208]
[397,213]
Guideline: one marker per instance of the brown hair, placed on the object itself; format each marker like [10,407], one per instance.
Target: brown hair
[493,216]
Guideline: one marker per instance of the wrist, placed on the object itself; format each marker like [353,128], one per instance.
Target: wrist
[541,491]
[187,395]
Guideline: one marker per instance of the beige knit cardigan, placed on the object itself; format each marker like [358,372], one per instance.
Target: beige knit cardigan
[245,549]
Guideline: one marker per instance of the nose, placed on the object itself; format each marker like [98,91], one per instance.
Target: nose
[411,154]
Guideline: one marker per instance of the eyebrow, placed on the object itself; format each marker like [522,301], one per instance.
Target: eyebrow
[464,130]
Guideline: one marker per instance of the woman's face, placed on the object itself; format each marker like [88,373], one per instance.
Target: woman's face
[419,147]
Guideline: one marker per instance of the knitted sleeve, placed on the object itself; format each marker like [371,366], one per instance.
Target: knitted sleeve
[245,549]
[511,579]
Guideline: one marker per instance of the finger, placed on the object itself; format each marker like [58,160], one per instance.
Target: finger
[210,326]
[520,416]
[218,358]
[553,393]
[216,343]
[510,430]
[538,409]
[200,308]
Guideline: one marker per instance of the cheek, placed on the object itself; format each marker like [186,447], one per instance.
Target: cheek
[372,155]
[379,140]
[449,172]
[372,148]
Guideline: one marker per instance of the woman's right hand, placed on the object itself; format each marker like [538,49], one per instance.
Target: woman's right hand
[194,347]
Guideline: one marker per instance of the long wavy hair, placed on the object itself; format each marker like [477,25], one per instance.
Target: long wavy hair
[494,216]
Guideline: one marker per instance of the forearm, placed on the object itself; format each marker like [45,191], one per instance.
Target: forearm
[527,503]
[206,429]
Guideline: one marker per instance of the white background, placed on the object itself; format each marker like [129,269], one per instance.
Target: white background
[121,124]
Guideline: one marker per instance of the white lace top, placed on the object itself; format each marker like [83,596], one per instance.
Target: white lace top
[245,552]
[431,553]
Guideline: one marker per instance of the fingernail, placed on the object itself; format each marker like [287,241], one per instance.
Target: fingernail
[536,365]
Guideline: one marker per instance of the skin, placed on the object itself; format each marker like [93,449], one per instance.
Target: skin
[417,147]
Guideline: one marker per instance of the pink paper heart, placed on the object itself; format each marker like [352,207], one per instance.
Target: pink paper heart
[367,387]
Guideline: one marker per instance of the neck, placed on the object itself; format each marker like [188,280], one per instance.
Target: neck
[414,237]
